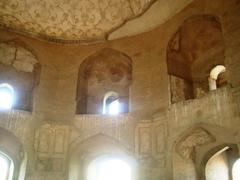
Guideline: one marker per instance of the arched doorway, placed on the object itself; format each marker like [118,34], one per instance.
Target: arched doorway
[221,163]
[13,158]
[109,168]
[217,167]
[236,170]
[6,167]
[101,153]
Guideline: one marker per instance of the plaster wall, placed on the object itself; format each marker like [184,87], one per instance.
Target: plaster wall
[153,129]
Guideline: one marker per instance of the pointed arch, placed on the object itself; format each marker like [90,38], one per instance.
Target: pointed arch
[194,49]
[12,149]
[20,68]
[85,151]
[104,71]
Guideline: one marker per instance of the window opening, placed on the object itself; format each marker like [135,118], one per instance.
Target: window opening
[6,96]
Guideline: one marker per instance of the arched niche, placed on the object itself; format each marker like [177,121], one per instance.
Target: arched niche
[192,52]
[82,154]
[105,71]
[20,69]
[11,146]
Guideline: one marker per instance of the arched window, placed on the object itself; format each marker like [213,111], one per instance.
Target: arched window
[111,104]
[6,96]
[6,167]
[236,170]
[109,168]
[214,77]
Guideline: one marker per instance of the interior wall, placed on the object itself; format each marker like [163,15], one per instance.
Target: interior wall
[181,89]
[57,90]
[155,123]
[59,75]
[183,169]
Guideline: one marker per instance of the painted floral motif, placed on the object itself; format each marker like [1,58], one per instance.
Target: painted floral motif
[68,19]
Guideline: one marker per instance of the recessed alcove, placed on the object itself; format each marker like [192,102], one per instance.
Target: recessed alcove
[193,51]
[20,70]
[103,75]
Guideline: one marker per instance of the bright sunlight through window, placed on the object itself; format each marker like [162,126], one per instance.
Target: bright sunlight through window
[4,167]
[114,107]
[6,96]
[236,170]
[109,169]
[111,104]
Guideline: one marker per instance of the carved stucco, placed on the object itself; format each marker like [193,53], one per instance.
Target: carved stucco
[150,140]
[51,144]
[68,19]
[198,137]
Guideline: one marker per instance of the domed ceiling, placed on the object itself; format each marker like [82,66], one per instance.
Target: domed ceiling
[69,20]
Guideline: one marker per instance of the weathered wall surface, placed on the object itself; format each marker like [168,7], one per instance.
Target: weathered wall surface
[153,130]
[19,68]
[231,31]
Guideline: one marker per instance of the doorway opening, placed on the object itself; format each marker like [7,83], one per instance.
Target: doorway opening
[6,167]
[109,168]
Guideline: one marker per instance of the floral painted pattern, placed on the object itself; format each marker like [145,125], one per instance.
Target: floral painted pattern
[68,19]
